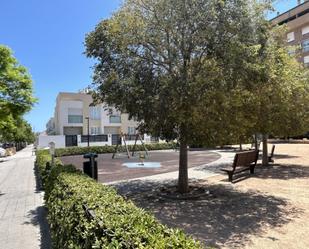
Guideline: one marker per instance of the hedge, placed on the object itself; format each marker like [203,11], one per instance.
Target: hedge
[119,223]
[109,149]
[42,158]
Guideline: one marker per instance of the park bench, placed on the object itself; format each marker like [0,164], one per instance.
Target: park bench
[270,157]
[243,161]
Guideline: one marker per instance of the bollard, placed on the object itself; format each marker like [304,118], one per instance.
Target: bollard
[90,168]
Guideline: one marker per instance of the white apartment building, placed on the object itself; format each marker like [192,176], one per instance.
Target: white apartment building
[76,116]
[73,111]
[50,127]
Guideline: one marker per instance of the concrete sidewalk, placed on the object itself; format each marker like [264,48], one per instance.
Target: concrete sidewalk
[22,215]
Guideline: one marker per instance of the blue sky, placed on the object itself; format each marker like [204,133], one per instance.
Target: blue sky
[47,37]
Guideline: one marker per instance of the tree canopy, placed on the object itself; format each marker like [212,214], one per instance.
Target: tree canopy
[16,96]
[194,70]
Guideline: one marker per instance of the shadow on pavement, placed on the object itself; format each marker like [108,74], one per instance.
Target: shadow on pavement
[227,217]
[38,218]
[282,172]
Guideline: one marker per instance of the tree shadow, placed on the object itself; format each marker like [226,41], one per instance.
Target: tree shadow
[226,217]
[38,181]
[282,172]
[38,218]
[283,156]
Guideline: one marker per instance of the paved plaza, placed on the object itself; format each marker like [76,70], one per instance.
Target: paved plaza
[113,170]
[22,215]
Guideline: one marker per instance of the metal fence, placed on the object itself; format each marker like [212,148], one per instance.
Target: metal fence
[94,138]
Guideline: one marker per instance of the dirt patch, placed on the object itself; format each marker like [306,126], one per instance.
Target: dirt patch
[267,210]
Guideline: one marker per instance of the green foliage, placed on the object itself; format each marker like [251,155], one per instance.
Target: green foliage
[123,225]
[42,158]
[15,98]
[119,223]
[201,71]
[110,149]
[281,91]
[164,62]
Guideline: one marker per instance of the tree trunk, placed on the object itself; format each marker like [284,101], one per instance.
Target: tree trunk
[265,150]
[183,185]
[255,141]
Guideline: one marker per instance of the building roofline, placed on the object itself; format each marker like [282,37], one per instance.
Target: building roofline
[289,10]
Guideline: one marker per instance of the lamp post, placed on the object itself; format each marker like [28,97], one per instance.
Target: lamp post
[88,136]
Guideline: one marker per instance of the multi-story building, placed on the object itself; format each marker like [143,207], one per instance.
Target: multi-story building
[297,21]
[50,127]
[75,114]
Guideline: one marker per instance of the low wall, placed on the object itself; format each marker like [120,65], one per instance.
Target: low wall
[43,141]
[59,140]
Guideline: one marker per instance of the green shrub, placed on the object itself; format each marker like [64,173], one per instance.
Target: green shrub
[42,158]
[119,223]
[110,149]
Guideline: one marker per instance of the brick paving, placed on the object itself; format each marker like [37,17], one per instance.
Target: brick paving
[22,215]
[111,170]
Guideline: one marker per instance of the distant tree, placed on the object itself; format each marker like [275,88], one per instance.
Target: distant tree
[24,132]
[16,93]
[282,90]
[172,63]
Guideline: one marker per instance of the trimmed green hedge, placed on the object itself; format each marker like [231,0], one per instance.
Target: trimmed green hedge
[119,223]
[43,157]
[110,149]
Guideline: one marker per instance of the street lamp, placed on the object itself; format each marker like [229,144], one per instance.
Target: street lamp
[88,136]
[87,118]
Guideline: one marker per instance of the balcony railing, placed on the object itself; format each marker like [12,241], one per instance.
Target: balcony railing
[94,138]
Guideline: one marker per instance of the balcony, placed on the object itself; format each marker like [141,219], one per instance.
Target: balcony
[75,119]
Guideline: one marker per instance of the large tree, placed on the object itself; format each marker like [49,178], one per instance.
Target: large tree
[16,93]
[281,92]
[163,61]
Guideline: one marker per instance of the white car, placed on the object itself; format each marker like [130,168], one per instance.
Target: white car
[2,152]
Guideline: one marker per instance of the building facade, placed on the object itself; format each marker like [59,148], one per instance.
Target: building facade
[297,21]
[50,127]
[75,114]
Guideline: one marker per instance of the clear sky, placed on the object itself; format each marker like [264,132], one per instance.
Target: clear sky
[47,37]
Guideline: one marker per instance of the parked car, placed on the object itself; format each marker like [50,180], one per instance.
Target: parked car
[2,152]
[7,145]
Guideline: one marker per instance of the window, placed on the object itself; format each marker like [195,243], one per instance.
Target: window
[305,46]
[115,119]
[95,130]
[306,60]
[75,119]
[290,36]
[305,30]
[75,116]
[131,130]
[291,52]
[95,112]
